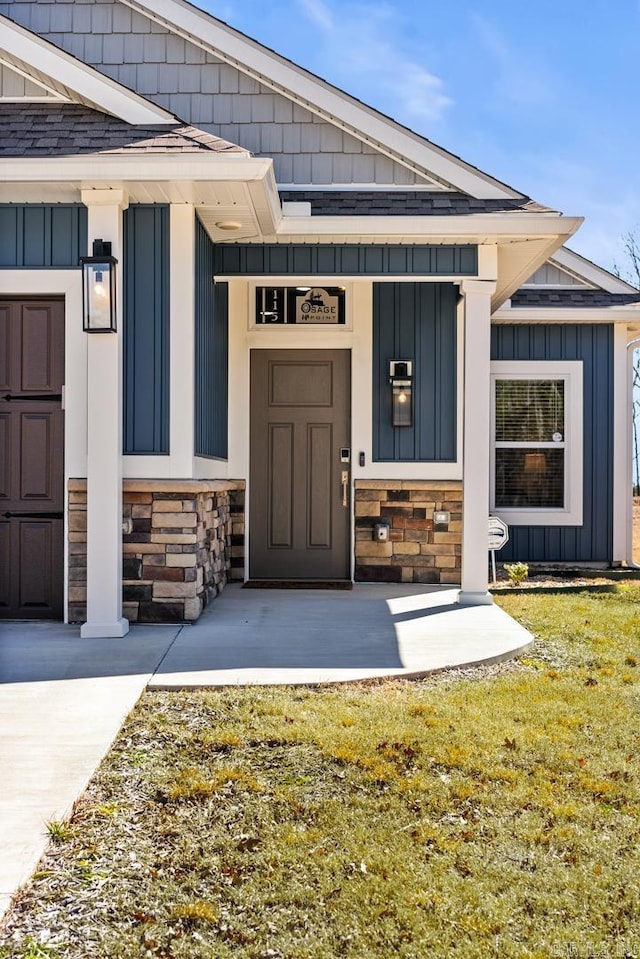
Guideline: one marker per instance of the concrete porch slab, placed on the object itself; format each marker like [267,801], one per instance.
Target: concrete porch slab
[289,637]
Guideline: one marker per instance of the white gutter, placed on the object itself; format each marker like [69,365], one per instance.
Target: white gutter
[563,314]
[481,227]
[137,167]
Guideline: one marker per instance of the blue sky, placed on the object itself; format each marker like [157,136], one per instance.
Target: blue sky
[543,95]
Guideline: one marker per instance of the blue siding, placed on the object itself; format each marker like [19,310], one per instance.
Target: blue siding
[146,329]
[593,344]
[345,260]
[212,353]
[416,321]
[39,236]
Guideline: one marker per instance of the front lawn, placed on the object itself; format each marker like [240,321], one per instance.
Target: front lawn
[488,813]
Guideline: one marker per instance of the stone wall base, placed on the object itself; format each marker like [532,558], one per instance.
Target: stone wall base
[418,550]
[178,548]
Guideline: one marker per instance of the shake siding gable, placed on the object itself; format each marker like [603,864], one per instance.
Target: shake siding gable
[207,93]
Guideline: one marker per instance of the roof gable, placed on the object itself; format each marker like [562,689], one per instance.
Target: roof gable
[170,51]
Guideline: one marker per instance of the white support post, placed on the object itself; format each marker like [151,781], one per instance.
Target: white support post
[476,442]
[104,440]
[622,500]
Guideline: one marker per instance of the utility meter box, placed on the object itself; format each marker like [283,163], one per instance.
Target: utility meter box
[381,532]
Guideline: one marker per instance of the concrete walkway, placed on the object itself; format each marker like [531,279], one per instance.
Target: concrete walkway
[62,702]
[63,699]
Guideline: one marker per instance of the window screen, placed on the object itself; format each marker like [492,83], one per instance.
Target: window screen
[529,443]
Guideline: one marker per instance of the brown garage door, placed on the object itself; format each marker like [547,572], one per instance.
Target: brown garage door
[31,459]
[299,497]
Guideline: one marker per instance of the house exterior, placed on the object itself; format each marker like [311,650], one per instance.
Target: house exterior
[338,347]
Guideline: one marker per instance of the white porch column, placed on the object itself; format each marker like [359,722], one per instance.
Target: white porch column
[104,440]
[622,476]
[476,442]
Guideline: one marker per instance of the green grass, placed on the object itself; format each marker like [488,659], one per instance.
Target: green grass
[491,815]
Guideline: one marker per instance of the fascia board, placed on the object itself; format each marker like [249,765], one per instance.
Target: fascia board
[106,94]
[560,315]
[98,168]
[320,97]
[591,272]
[483,227]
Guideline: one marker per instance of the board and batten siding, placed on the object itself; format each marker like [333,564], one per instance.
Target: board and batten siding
[146,329]
[202,90]
[212,353]
[42,236]
[417,322]
[593,344]
[282,259]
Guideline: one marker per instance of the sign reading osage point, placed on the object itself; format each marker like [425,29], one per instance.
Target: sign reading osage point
[300,305]
[318,305]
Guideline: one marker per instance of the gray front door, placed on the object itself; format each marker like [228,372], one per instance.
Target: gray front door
[299,496]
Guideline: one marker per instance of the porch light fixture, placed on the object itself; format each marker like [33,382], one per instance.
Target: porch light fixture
[401,380]
[99,289]
[229,225]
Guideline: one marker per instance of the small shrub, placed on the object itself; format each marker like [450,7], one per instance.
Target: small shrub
[517,572]
[58,831]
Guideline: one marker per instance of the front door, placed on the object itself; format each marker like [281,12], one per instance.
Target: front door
[31,459]
[299,484]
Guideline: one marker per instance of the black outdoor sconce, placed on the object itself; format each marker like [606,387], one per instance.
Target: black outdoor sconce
[99,289]
[401,380]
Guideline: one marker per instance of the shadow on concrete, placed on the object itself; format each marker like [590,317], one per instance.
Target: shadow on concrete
[289,629]
[45,652]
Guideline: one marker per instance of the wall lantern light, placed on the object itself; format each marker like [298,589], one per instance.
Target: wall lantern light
[401,380]
[99,289]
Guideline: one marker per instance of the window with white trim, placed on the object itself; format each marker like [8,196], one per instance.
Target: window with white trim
[536,450]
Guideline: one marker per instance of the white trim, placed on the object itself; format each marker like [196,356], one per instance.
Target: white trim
[571,371]
[88,83]
[67,284]
[622,500]
[318,96]
[361,187]
[562,314]
[475,515]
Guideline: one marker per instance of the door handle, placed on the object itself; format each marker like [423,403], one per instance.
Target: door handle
[345,488]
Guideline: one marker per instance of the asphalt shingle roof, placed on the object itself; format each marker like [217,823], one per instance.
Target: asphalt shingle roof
[69,129]
[404,203]
[572,298]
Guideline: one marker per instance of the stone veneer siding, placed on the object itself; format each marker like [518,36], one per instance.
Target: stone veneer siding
[185,537]
[418,550]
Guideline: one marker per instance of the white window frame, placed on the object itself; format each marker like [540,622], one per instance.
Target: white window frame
[571,372]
